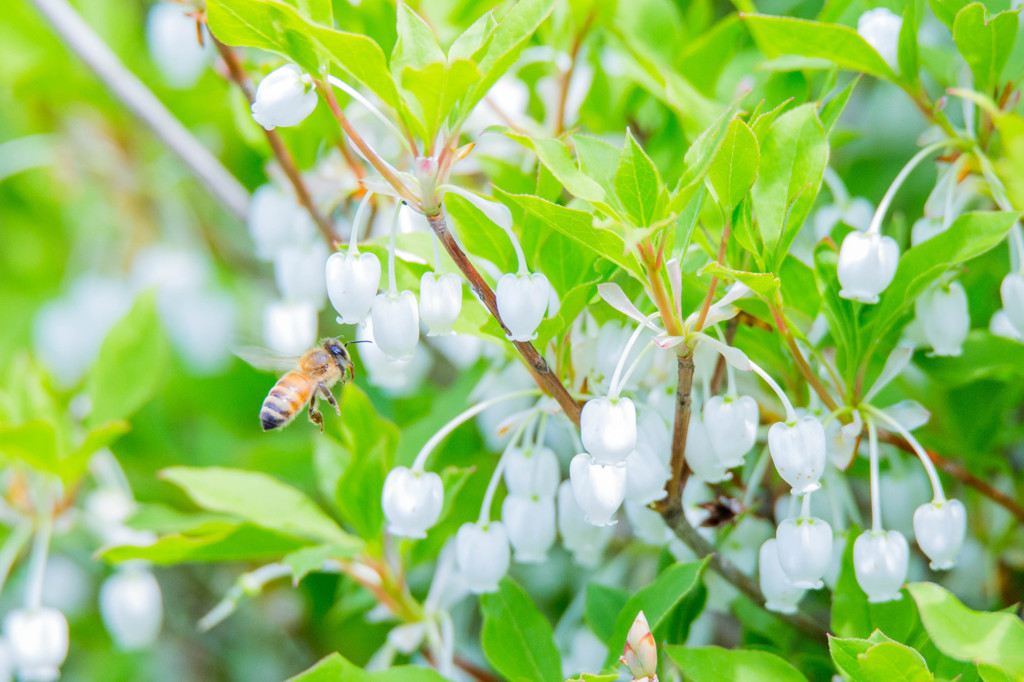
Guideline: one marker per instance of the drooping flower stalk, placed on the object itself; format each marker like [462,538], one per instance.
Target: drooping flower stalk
[492,486]
[876,502]
[933,475]
[876,221]
[791,417]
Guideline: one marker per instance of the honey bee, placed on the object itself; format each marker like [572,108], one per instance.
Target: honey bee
[310,376]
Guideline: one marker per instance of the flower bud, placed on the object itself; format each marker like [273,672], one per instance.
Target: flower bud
[939,529]
[880,564]
[482,554]
[585,541]
[598,488]
[881,29]
[641,651]
[805,550]
[532,471]
[522,302]
[530,523]
[289,328]
[780,594]
[39,642]
[131,607]
[412,501]
[396,324]
[1012,293]
[440,301]
[942,312]
[798,451]
[285,97]
[700,454]
[645,476]
[352,283]
[867,264]
[731,424]
[608,429]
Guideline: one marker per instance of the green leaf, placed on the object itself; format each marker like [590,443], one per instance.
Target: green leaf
[480,235]
[319,11]
[703,150]
[34,442]
[995,639]
[907,48]
[794,153]
[517,639]
[75,463]
[436,88]
[311,559]
[896,662]
[590,677]
[833,109]
[233,543]
[416,45]
[638,185]
[658,600]
[579,225]
[334,668]
[603,604]
[277,27]
[472,40]
[259,499]
[763,284]
[734,168]
[839,44]
[687,221]
[129,368]
[946,10]
[555,156]
[985,42]
[715,664]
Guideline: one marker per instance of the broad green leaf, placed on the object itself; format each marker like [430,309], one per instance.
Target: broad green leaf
[715,664]
[517,639]
[907,46]
[833,109]
[75,463]
[129,368]
[579,225]
[334,668]
[436,88]
[480,235]
[470,41]
[704,59]
[416,46]
[763,284]
[658,600]
[839,44]
[555,156]
[590,677]
[687,221]
[598,160]
[995,639]
[319,11]
[946,10]
[311,559]
[161,518]
[896,662]
[234,543]
[638,185]
[275,26]
[985,42]
[985,356]
[700,154]
[258,499]
[990,673]
[794,153]
[734,168]
[34,443]
[603,604]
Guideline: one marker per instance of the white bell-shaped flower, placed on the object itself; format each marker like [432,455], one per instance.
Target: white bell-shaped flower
[880,564]
[530,522]
[1000,325]
[939,529]
[174,45]
[942,312]
[608,429]
[132,608]
[532,471]
[798,451]
[731,424]
[645,476]
[38,640]
[482,555]
[1012,293]
[585,540]
[700,454]
[285,97]
[396,378]
[412,501]
[289,328]
[881,29]
[652,433]
[867,264]
[352,283]
[440,301]
[805,550]
[780,594]
[299,272]
[396,324]
[522,301]
[599,488]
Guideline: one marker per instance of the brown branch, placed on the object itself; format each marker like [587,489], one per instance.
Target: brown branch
[281,153]
[536,363]
[960,473]
[675,517]
[659,294]
[809,376]
[680,428]
[706,306]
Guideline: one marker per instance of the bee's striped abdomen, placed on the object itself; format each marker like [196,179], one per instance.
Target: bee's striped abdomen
[285,399]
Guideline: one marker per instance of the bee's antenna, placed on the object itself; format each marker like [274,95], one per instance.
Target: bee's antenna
[360,341]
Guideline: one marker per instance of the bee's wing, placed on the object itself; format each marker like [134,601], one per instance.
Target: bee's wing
[265,358]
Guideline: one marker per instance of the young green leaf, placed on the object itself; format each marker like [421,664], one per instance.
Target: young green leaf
[946,10]
[985,42]
[603,605]
[231,543]
[638,185]
[906,53]
[715,664]
[416,46]
[878,658]
[517,639]
[481,237]
[34,443]
[833,109]
[555,156]
[734,168]
[334,668]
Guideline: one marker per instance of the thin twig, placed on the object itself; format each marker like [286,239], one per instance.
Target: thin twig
[133,93]
[536,363]
[566,80]
[281,153]
[680,429]
[805,369]
[706,305]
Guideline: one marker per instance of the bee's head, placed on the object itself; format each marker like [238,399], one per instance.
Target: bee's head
[339,351]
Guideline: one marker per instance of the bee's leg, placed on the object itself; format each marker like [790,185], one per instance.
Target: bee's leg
[314,414]
[329,397]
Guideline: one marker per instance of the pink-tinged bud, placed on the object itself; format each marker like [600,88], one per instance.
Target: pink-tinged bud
[641,652]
